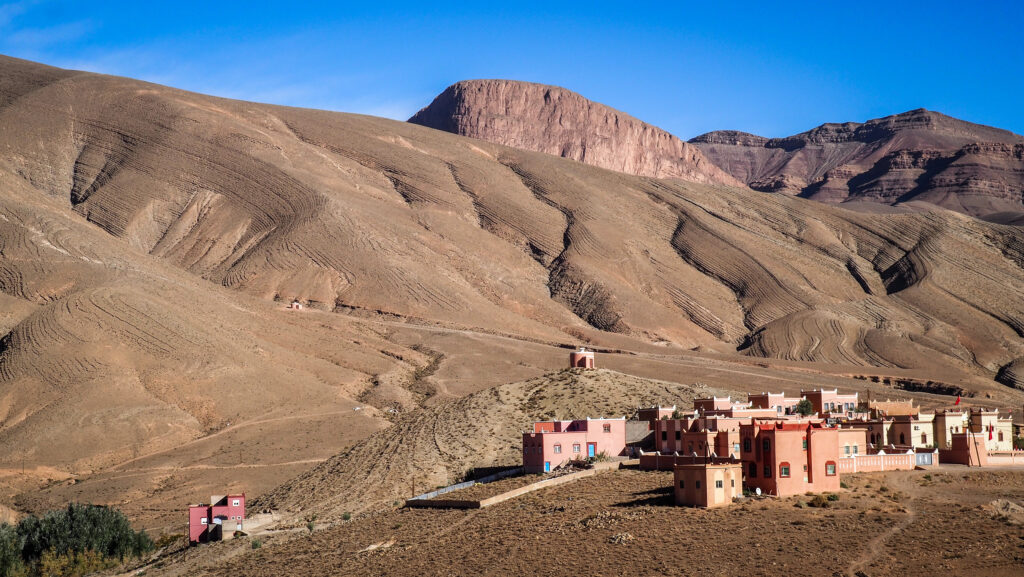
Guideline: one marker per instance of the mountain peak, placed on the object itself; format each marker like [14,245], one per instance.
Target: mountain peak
[558,121]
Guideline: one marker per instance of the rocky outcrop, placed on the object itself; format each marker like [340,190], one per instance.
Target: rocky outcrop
[915,156]
[560,122]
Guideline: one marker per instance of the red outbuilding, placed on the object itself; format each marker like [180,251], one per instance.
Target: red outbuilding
[220,519]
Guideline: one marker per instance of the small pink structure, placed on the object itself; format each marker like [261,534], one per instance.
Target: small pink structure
[832,402]
[209,522]
[708,484]
[553,443]
[581,359]
[779,402]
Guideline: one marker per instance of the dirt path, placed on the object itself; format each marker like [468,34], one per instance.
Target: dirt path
[875,548]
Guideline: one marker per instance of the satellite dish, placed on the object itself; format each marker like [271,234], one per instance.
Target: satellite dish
[757,491]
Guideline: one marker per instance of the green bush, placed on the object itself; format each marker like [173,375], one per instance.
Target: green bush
[346,517]
[256,543]
[76,540]
[832,496]
[10,551]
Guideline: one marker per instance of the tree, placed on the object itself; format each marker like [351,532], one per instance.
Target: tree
[804,407]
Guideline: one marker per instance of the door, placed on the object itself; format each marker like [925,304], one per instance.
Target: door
[547,466]
[591,450]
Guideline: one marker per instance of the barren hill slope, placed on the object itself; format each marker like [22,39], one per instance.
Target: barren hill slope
[918,155]
[558,121]
[358,214]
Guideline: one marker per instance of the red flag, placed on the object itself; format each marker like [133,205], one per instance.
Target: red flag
[957,401]
[990,427]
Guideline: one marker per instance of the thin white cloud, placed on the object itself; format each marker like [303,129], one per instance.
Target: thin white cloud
[40,38]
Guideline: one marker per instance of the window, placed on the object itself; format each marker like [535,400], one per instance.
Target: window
[736,448]
[679,435]
[719,485]
[682,484]
[846,449]
[698,484]
[203,521]
[576,448]
[664,435]
[855,449]
[924,438]
[1000,436]
[732,482]
[805,443]
[805,468]
[235,502]
[830,468]
[752,470]
[784,470]
[766,445]
[558,449]
[606,428]
[767,471]
[746,444]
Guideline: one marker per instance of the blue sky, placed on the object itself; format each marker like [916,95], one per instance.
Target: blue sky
[763,67]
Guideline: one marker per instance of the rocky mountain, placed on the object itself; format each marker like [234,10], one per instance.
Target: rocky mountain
[919,155]
[558,121]
[150,236]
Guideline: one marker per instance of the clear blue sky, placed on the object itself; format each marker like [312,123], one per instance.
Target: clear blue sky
[769,68]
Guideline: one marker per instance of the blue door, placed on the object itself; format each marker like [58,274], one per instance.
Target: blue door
[547,466]
[590,450]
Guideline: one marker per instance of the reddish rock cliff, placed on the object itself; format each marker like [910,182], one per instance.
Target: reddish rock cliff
[915,156]
[560,122]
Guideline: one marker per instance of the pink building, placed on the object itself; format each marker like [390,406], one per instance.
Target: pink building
[779,402]
[833,402]
[581,359]
[554,443]
[790,458]
[210,522]
[708,484]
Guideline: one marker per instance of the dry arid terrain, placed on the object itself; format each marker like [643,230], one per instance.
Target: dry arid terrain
[150,239]
[952,522]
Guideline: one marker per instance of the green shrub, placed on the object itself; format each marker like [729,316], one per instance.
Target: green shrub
[256,543]
[819,501]
[76,540]
[346,516]
[832,496]
[843,485]
[310,526]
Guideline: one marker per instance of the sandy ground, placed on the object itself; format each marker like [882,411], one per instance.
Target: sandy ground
[951,521]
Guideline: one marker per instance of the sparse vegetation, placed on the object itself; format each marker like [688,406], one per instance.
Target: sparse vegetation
[77,540]
[819,501]
[804,407]
[346,516]
[256,544]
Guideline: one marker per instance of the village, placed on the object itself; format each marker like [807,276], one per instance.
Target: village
[720,451]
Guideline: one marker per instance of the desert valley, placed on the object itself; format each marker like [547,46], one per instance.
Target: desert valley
[330,313]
